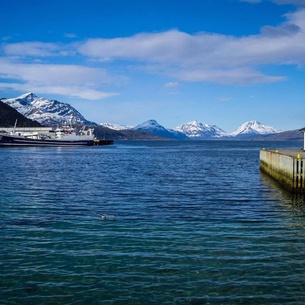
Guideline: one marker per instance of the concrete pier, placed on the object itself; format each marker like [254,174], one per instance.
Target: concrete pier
[287,167]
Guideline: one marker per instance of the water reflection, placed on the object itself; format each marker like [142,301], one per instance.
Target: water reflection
[295,201]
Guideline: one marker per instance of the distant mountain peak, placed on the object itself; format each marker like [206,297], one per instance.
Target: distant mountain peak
[200,131]
[153,127]
[252,128]
[45,111]
[28,96]
[115,126]
[149,123]
[31,94]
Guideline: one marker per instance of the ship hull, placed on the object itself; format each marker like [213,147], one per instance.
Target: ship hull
[6,140]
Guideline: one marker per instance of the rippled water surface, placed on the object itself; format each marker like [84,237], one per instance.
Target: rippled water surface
[148,223]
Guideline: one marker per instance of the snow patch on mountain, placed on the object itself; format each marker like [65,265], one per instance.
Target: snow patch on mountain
[253,128]
[153,127]
[200,131]
[115,126]
[47,112]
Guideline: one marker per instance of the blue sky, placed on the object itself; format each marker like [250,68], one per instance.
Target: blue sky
[221,62]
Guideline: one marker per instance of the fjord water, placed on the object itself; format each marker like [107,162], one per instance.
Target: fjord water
[186,223]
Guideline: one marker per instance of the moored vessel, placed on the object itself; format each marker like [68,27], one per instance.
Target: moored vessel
[65,136]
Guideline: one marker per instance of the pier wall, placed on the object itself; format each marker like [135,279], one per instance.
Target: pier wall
[286,169]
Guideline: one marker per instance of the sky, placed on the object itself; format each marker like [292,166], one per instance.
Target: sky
[220,62]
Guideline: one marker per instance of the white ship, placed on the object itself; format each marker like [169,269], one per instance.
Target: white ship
[65,136]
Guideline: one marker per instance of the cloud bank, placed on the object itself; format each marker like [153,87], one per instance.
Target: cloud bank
[183,57]
[70,80]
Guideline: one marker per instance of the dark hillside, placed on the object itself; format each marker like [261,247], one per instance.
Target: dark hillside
[102,132]
[9,115]
[284,136]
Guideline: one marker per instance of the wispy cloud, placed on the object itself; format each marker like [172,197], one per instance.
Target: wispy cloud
[280,2]
[241,76]
[70,35]
[293,2]
[33,49]
[72,80]
[171,85]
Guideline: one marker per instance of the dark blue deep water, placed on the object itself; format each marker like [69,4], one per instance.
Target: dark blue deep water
[187,223]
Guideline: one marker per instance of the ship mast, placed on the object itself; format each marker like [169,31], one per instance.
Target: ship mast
[14,130]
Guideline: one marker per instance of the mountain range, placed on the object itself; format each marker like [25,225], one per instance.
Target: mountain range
[52,112]
[198,131]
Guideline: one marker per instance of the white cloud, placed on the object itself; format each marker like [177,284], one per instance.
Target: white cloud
[79,92]
[201,57]
[157,47]
[242,76]
[285,30]
[33,49]
[209,57]
[72,80]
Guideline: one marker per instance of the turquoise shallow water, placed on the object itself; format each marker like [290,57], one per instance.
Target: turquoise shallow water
[187,223]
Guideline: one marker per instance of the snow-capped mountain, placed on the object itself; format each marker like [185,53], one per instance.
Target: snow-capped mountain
[153,127]
[115,126]
[52,112]
[198,131]
[47,112]
[253,128]
[195,130]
